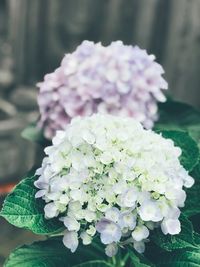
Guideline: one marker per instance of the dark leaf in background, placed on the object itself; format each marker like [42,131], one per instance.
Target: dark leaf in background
[52,253]
[171,242]
[192,204]
[179,116]
[139,260]
[184,250]
[177,113]
[179,258]
[190,152]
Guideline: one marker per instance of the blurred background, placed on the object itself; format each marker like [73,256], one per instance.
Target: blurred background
[35,35]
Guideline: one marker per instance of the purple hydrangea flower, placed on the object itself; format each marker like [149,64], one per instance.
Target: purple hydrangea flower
[118,79]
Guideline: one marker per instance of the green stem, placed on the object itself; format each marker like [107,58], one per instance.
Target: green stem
[124,260]
[55,235]
[118,261]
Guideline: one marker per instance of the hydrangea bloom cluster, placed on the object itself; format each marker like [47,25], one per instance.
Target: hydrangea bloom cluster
[118,79]
[107,175]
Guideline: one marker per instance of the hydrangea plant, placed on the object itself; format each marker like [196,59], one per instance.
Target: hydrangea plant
[114,193]
[108,187]
[118,79]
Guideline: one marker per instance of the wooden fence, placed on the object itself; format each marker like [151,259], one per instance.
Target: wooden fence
[35,34]
[40,32]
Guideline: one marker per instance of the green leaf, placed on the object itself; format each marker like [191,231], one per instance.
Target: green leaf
[190,152]
[179,116]
[35,134]
[180,258]
[171,242]
[52,253]
[192,203]
[138,260]
[197,238]
[22,209]
[177,113]
[196,172]
[188,257]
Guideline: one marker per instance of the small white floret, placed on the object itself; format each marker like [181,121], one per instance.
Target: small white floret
[51,210]
[70,240]
[111,249]
[71,224]
[86,238]
[171,226]
[140,233]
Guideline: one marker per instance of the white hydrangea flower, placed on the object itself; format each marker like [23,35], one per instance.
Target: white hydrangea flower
[91,230]
[128,220]
[71,224]
[128,198]
[150,211]
[70,240]
[87,239]
[171,226]
[140,233]
[107,176]
[111,249]
[109,231]
[112,214]
[139,246]
[51,210]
